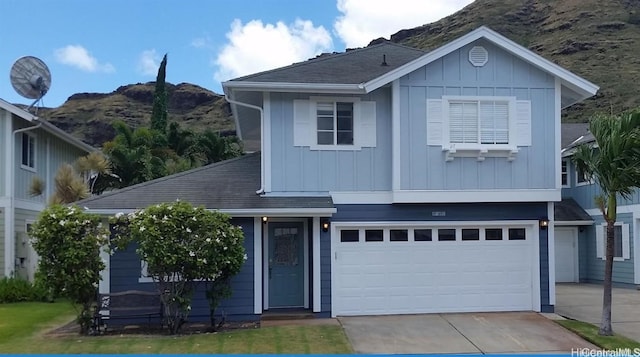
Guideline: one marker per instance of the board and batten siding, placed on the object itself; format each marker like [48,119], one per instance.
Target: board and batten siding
[452,212]
[594,266]
[5,118]
[25,254]
[300,169]
[585,194]
[47,162]
[126,269]
[424,167]
[3,211]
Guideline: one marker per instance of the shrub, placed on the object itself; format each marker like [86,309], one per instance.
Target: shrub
[17,290]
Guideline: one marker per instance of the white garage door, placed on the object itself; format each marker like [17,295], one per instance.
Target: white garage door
[402,270]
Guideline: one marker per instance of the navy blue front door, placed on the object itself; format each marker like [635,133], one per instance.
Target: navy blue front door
[286,264]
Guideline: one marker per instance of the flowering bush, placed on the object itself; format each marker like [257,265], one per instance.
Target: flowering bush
[182,245]
[68,242]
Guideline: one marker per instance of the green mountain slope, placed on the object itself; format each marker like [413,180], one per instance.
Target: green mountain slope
[596,39]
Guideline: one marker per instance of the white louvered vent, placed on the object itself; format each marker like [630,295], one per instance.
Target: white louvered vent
[478,56]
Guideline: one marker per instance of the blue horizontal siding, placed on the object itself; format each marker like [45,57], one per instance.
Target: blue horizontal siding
[125,272]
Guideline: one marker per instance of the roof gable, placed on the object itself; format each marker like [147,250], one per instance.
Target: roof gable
[577,88]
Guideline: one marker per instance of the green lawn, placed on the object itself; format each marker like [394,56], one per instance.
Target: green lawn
[590,333]
[23,327]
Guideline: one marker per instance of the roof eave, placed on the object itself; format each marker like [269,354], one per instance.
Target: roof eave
[249,212]
[337,88]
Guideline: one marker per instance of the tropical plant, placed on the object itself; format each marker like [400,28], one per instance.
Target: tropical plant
[181,246]
[216,148]
[68,242]
[613,161]
[159,110]
[69,186]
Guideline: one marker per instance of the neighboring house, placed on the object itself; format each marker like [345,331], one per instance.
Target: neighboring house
[31,147]
[389,181]
[580,249]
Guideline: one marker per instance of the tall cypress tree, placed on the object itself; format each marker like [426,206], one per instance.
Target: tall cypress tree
[159,113]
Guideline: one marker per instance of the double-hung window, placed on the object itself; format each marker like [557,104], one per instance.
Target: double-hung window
[334,123]
[564,172]
[28,151]
[621,246]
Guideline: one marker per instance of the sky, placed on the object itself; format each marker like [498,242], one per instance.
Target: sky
[97,46]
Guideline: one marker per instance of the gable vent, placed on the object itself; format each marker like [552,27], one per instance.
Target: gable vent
[478,56]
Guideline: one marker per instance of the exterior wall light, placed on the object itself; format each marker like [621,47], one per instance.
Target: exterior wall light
[325,225]
[264,219]
[544,223]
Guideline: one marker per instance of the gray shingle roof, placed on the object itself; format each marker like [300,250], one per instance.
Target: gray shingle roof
[229,185]
[568,210]
[351,67]
[572,131]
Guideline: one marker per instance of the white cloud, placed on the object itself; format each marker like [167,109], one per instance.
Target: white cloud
[255,47]
[148,63]
[364,20]
[78,56]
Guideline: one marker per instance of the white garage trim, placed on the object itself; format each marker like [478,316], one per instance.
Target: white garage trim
[531,227]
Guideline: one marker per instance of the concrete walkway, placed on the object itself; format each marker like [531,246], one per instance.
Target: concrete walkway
[584,302]
[517,332]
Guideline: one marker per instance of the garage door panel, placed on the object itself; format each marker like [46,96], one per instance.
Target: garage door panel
[374,278]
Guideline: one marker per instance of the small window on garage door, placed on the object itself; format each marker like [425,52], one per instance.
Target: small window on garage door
[446,234]
[373,235]
[349,235]
[517,234]
[422,235]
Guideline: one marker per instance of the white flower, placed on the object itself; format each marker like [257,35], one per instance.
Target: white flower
[194,219]
[204,260]
[188,230]
[189,308]
[224,248]
[165,218]
[63,222]
[142,229]
[245,257]
[217,240]
[208,240]
[119,214]
[192,254]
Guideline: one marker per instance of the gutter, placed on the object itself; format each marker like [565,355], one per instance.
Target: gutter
[261,111]
[9,239]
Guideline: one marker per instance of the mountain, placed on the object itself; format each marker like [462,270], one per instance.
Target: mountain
[596,39]
[88,116]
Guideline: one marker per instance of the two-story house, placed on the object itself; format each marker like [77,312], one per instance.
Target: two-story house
[388,181]
[580,248]
[31,148]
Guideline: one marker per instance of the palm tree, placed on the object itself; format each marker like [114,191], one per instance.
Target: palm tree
[613,161]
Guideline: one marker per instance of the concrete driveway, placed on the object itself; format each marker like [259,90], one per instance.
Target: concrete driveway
[584,302]
[511,332]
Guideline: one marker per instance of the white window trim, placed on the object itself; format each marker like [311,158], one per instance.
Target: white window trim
[478,150]
[35,150]
[568,164]
[584,183]
[313,102]
[601,241]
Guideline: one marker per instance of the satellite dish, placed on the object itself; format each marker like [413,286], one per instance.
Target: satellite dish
[30,77]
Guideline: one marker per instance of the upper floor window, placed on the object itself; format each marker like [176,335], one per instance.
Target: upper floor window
[334,123]
[581,177]
[564,172]
[479,122]
[479,126]
[340,123]
[28,151]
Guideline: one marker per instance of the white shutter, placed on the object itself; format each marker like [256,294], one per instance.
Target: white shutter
[625,242]
[303,132]
[367,125]
[600,229]
[523,123]
[434,122]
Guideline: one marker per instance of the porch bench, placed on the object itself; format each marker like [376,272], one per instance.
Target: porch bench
[127,305]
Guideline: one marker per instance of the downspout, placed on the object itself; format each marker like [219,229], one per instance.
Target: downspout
[251,106]
[9,242]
